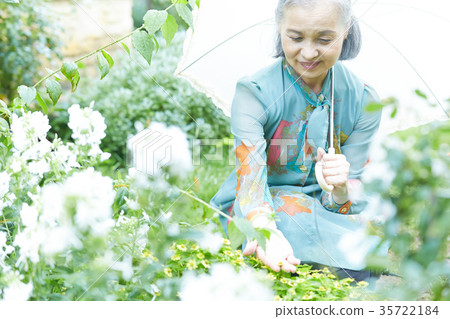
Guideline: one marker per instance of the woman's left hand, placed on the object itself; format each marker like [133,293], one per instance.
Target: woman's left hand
[335,172]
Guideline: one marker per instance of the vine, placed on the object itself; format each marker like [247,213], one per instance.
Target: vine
[142,38]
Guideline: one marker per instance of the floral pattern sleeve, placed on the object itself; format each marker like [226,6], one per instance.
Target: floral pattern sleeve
[247,124]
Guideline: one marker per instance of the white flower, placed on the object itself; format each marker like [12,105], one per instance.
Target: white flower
[6,201]
[378,210]
[37,150]
[173,230]
[52,205]
[27,129]
[125,267]
[94,196]
[16,163]
[65,157]
[224,283]
[139,179]
[5,178]
[356,246]
[29,215]
[17,291]
[104,156]
[88,126]
[379,169]
[59,239]
[210,241]
[39,167]
[142,236]
[29,241]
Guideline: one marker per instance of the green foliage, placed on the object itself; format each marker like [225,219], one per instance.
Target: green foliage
[102,65]
[27,38]
[169,29]
[27,94]
[70,71]
[240,229]
[143,43]
[134,93]
[140,7]
[306,284]
[185,14]
[418,233]
[154,19]
[54,90]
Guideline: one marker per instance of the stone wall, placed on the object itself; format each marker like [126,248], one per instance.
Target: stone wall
[91,24]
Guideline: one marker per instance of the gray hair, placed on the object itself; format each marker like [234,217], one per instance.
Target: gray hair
[352,44]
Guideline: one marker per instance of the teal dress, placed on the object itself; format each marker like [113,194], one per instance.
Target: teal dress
[278,123]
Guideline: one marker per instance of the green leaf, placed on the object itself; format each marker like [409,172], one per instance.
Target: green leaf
[265,232]
[3,104]
[245,227]
[27,94]
[75,81]
[81,65]
[120,197]
[421,94]
[169,29]
[394,112]
[185,14]
[54,90]
[108,58]
[153,20]
[126,48]
[235,235]
[192,3]
[197,2]
[260,238]
[102,65]
[156,44]
[70,71]
[373,107]
[12,1]
[42,103]
[143,44]
[4,126]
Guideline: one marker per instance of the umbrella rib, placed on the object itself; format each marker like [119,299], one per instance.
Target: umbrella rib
[223,42]
[410,7]
[411,65]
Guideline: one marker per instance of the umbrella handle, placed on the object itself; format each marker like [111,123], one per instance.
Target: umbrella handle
[319,174]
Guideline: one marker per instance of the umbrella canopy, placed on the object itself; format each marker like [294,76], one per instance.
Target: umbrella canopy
[404,49]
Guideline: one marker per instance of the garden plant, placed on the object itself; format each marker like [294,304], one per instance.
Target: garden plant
[76,224]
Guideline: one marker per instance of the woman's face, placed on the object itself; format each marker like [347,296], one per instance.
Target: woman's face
[312,39]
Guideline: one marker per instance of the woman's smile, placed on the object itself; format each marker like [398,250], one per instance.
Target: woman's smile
[309,65]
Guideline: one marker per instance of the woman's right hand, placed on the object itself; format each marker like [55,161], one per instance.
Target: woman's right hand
[278,254]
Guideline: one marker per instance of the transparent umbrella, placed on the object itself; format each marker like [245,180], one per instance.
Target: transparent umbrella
[404,50]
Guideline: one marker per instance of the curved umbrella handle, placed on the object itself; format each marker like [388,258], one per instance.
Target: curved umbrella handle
[319,174]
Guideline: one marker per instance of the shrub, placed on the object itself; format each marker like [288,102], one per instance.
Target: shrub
[135,94]
[414,182]
[27,37]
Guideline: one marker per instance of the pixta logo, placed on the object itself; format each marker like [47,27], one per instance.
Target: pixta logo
[149,151]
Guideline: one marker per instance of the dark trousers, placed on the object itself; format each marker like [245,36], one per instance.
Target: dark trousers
[359,275]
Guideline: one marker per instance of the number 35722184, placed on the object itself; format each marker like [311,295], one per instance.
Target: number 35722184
[409,310]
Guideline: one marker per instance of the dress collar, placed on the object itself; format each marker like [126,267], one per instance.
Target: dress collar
[313,98]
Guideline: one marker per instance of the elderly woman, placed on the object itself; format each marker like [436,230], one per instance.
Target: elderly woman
[280,120]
